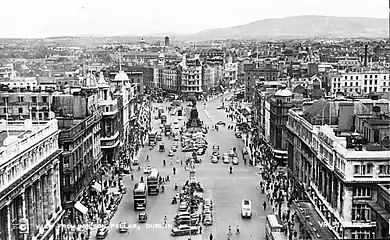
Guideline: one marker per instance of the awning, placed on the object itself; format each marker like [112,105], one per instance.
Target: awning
[79,206]
[280,152]
[97,186]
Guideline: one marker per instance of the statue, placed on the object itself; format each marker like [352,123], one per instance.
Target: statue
[193,103]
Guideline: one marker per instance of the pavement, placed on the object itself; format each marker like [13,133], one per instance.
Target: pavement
[226,190]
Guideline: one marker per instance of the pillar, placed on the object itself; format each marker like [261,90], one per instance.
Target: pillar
[45,197]
[23,196]
[31,210]
[39,202]
[50,192]
[9,223]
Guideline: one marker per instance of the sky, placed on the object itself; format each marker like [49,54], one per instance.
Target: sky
[47,18]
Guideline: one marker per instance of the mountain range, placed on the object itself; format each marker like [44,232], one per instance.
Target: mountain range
[307,26]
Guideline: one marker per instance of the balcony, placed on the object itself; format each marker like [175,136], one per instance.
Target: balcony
[110,142]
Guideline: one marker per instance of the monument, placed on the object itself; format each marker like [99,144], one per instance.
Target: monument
[194,122]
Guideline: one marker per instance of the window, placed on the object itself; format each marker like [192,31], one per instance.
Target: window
[44,99]
[384,169]
[361,192]
[357,77]
[20,99]
[357,84]
[346,77]
[360,212]
[370,82]
[362,234]
[6,99]
[376,76]
[365,76]
[20,110]
[365,82]
[66,162]
[34,99]
[351,77]
[362,169]
[370,76]
[384,77]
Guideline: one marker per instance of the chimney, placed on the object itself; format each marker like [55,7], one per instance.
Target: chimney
[346,116]
[365,55]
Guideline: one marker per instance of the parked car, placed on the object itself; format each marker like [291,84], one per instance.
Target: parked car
[176,138]
[214,159]
[123,227]
[148,170]
[171,153]
[135,161]
[238,134]
[102,233]
[220,122]
[183,230]
[231,153]
[201,151]
[225,158]
[126,170]
[235,160]
[208,220]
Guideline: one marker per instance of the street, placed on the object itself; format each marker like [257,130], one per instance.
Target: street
[226,190]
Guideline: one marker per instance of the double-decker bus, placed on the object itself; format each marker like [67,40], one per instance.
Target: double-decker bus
[152,182]
[152,138]
[163,118]
[140,196]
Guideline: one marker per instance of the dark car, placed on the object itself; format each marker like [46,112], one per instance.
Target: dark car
[220,122]
[123,227]
[102,233]
[183,230]
[238,134]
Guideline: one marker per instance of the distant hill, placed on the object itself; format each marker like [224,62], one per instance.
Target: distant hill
[304,26]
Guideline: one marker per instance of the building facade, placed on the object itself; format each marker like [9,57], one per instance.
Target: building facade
[360,82]
[30,181]
[338,169]
[79,121]
[254,74]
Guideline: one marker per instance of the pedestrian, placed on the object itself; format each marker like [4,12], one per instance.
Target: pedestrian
[174,170]
[200,229]
[165,221]
[265,205]
[211,236]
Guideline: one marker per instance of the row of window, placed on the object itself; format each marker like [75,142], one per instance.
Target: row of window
[357,77]
[367,169]
[361,192]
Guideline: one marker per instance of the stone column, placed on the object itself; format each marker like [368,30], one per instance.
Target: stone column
[50,188]
[39,202]
[57,182]
[45,197]
[9,220]
[31,208]
[23,196]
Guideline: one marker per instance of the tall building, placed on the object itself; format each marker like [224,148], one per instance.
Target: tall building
[167,41]
[79,121]
[254,74]
[191,77]
[30,180]
[338,153]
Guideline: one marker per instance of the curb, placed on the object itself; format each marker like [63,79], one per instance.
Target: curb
[207,114]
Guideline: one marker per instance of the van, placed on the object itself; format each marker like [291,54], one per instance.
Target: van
[246,209]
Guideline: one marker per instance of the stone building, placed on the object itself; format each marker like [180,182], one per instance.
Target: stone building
[29,180]
[79,121]
[337,155]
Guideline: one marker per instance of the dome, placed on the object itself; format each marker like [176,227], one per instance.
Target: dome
[283,93]
[121,76]
[102,82]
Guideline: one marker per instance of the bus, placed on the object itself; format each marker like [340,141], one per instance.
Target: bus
[152,182]
[139,196]
[160,111]
[163,118]
[152,138]
[167,129]
[272,226]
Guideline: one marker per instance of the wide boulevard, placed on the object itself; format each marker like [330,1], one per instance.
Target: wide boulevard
[226,190]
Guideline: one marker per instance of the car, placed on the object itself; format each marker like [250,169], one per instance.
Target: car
[183,207]
[231,153]
[208,220]
[179,118]
[225,158]
[238,134]
[246,209]
[156,117]
[123,227]
[175,144]
[235,160]
[206,211]
[126,170]
[189,105]
[174,148]
[159,137]
[162,126]
[201,151]
[148,170]
[136,161]
[220,107]
[220,122]
[102,233]
[208,202]
[176,122]
[183,230]
[171,153]
[214,159]
[176,138]
[176,126]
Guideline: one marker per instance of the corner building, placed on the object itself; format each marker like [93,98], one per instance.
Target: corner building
[30,181]
[337,166]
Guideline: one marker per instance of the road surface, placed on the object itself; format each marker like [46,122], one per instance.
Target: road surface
[226,190]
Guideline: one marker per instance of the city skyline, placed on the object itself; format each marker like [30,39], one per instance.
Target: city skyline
[73,18]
